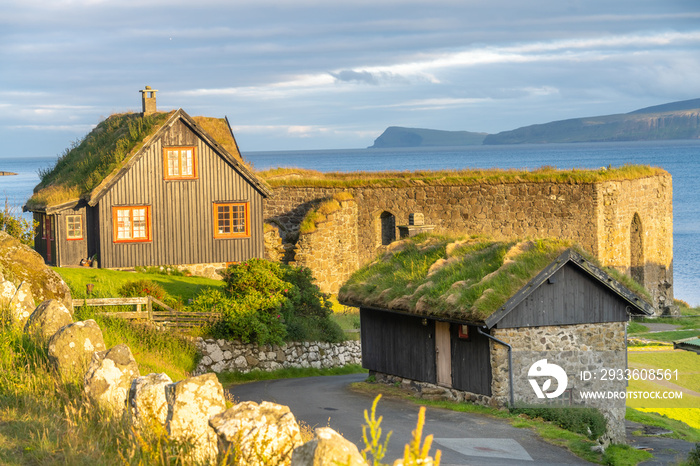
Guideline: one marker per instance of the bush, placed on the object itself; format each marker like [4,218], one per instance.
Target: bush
[586,421]
[694,456]
[16,226]
[141,287]
[266,302]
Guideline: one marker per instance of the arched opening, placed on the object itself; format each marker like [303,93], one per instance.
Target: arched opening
[387,228]
[637,249]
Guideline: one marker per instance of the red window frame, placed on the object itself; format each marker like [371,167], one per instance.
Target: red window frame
[173,157]
[228,217]
[120,223]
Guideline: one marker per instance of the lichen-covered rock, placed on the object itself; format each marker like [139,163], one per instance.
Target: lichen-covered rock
[108,378]
[22,304]
[20,263]
[46,319]
[147,404]
[191,402]
[329,448]
[71,347]
[7,293]
[266,433]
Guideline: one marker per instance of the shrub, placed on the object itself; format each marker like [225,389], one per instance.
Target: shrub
[694,456]
[586,421]
[16,226]
[141,287]
[266,302]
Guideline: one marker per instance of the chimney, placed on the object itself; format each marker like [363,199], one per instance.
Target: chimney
[148,100]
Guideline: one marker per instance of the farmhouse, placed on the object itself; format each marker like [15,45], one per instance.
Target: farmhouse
[151,188]
[472,318]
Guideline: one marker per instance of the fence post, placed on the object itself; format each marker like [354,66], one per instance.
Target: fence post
[149,307]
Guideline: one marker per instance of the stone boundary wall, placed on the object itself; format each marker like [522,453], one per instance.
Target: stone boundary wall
[595,215]
[223,355]
[331,250]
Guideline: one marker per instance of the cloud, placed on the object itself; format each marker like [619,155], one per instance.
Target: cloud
[361,76]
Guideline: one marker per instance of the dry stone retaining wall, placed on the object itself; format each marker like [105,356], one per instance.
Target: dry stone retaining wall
[598,216]
[224,355]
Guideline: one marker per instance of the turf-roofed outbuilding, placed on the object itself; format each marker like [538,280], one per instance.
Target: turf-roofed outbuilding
[147,189]
[466,318]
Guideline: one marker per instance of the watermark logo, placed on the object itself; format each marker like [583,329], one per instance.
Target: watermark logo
[542,368]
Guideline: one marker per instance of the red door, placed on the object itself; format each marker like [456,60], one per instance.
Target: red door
[48,235]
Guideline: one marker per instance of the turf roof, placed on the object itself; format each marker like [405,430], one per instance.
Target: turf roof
[461,278]
[105,150]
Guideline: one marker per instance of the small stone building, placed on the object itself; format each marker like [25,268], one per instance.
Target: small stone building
[498,323]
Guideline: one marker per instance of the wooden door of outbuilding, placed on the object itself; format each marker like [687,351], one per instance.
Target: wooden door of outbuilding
[443,354]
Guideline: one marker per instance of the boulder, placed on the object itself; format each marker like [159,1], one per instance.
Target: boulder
[20,263]
[22,304]
[266,433]
[46,319]
[191,402]
[108,378]
[329,448]
[71,347]
[147,404]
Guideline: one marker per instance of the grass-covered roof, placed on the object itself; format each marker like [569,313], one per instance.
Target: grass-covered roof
[461,278]
[311,178]
[102,152]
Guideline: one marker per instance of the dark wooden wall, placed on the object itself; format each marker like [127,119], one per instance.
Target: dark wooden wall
[398,345]
[573,297]
[69,253]
[181,210]
[471,362]
[39,242]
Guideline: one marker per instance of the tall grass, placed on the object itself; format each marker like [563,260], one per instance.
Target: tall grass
[46,421]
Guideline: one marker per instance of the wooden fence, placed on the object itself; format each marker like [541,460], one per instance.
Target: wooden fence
[168,317]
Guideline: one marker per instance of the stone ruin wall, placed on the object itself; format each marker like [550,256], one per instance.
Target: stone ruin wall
[598,216]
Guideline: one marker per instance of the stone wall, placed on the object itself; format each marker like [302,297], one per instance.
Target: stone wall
[331,250]
[597,216]
[575,348]
[223,355]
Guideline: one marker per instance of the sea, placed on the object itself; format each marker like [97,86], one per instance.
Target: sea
[680,158]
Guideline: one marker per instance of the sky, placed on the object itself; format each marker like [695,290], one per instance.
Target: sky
[324,74]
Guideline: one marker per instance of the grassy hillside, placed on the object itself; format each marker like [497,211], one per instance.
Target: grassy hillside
[395,136]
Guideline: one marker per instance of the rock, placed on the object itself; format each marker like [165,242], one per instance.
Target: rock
[22,304]
[108,378]
[259,434]
[147,404]
[20,263]
[191,402]
[71,347]
[329,448]
[46,319]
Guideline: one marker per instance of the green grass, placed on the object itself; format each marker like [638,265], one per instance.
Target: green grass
[671,335]
[466,278]
[680,429]
[636,327]
[303,177]
[107,282]
[229,379]
[84,165]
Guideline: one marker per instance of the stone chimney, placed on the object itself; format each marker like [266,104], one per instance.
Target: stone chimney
[148,100]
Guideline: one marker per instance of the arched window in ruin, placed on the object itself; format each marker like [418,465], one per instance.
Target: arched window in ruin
[386,233]
[637,249]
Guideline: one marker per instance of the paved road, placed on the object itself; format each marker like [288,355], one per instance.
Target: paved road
[465,439]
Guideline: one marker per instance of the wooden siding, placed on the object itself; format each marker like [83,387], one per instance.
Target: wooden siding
[471,362]
[398,345]
[70,252]
[570,297]
[181,210]
[39,242]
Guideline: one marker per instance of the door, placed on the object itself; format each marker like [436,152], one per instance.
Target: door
[48,235]
[443,354]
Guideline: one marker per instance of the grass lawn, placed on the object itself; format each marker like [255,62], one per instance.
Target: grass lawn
[108,282]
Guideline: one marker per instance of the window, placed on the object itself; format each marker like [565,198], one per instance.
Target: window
[74,226]
[231,220]
[179,163]
[131,223]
